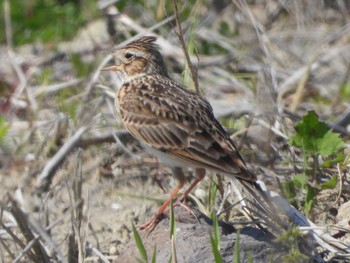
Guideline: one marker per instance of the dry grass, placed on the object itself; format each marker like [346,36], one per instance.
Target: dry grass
[72,180]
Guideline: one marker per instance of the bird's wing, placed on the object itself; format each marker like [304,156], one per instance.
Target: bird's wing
[179,122]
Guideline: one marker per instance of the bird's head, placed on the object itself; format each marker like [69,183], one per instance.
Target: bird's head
[138,58]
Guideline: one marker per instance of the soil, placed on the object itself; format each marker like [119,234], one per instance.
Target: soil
[260,75]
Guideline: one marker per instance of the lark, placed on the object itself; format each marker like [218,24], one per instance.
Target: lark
[174,123]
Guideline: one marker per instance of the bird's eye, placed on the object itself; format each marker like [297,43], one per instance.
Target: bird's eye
[128,55]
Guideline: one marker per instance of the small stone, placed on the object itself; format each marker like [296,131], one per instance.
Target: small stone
[113,250]
[200,193]
[343,211]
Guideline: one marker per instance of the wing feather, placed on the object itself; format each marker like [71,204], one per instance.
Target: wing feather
[168,117]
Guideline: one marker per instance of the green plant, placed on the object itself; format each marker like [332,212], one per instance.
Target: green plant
[3,128]
[141,248]
[212,197]
[236,254]
[68,108]
[81,68]
[172,234]
[345,90]
[215,241]
[48,21]
[139,244]
[290,239]
[315,140]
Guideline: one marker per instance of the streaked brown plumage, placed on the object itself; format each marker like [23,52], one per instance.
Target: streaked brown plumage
[175,123]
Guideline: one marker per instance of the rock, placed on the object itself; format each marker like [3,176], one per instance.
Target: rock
[193,243]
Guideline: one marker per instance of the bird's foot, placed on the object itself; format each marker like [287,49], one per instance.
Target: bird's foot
[153,223]
[159,216]
[179,202]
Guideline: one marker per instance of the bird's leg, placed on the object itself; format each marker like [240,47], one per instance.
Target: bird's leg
[200,173]
[155,178]
[180,177]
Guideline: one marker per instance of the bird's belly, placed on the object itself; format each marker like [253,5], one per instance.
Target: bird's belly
[170,160]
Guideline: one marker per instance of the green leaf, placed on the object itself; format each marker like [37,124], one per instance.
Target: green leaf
[331,183]
[300,180]
[172,221]
[314,137]
[330,144]
[212,196]
[327,163]
[309,198]
[139,244]
[216,229]
[345,90]
[288,189]
[3,128]
[216,252]
[236,255]
[154,256]
[250,257]
[215,241]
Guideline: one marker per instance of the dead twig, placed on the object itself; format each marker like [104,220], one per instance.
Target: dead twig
[23,223]
[42,233]
[100,255]
[22,80]
[77,239]
[8,24]
[341,176]
[44,179]
[300,90]
[19,242]
[179,33]
[48,90]
[7,249]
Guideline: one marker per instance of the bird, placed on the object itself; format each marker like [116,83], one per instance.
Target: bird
[174,123]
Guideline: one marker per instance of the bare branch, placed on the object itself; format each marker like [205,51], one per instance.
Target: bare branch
[8,24]
[179,33]
[51,166]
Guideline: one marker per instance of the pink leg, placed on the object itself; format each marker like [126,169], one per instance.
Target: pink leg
[178,173]
[200,173]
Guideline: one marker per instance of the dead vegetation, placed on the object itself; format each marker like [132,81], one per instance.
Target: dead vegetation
[72,180]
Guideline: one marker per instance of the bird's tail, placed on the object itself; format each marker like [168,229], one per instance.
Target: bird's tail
[257,204]
[273,213]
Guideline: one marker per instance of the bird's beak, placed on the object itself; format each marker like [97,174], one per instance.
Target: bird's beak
[116,67]
[112,68]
